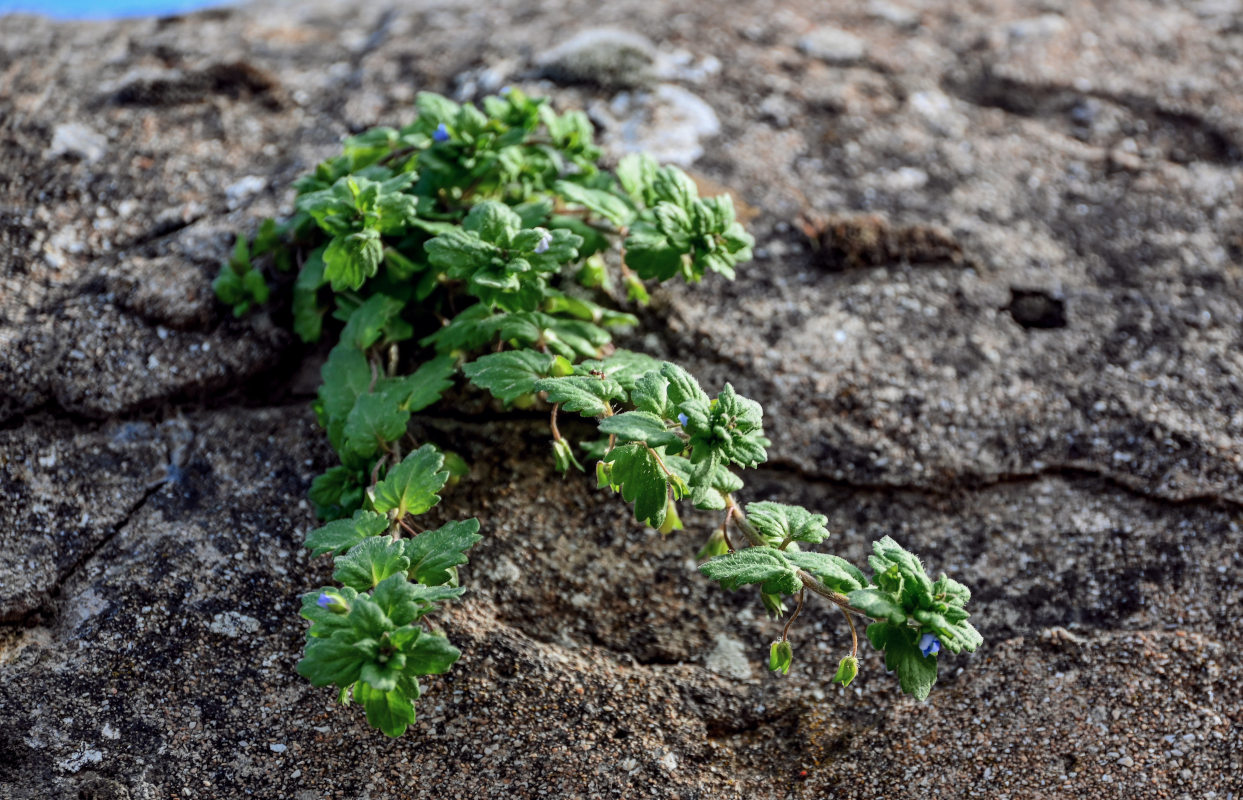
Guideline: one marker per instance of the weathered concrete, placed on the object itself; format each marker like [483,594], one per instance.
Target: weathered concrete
[995,313]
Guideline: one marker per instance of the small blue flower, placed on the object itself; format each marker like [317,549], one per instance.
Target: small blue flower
[682,419]
[544,242]
[505,90]
[441,134]
[929,645]
[332,601]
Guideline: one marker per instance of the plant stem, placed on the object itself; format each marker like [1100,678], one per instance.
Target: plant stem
[797,610]
[809,581]
[854,637]
[556,434]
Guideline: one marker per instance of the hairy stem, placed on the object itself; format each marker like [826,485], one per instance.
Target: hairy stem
[797,610]
[809,581]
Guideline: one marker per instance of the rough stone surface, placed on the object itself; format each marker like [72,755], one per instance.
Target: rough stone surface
[996,313]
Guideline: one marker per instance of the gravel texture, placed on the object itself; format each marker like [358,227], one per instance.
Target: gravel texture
[995,312]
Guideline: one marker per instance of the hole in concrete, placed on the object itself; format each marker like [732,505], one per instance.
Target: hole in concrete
[1033,308]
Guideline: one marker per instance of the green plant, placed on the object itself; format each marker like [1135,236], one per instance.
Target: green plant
[487,243]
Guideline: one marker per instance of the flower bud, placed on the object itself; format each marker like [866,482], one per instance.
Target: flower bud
[636,291]
[715,546]
[780,656]
[333,602]
[773,605]
[847,669]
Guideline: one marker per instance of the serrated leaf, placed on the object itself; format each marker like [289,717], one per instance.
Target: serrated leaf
[334,660]
[586,395]
[779,523]
[601,202]
[369,562]
[889,556]
[434,554]
[379,316]
[374,420]
[636,471]
[308,312]
[340,535]
[396,597]
[916,672]
[624,366]
[765,566]
[389,711]
[878,605]
[346,375]
[640,426]
[350,259]
[650,253]
[836,573]
[651,394]
[511,374]
[430,654]
[337,492]
[459,253]
[423,388]
[411,486]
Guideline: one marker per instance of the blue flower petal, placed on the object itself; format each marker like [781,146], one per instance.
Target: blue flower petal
[929,645]
[442,133]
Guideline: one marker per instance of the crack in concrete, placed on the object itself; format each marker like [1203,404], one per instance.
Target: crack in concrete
[1073,473]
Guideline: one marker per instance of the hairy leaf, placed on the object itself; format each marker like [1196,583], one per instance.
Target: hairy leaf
[411,486]
[765,566]
[434,554]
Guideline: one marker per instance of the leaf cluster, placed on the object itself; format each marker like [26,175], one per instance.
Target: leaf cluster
[365,635]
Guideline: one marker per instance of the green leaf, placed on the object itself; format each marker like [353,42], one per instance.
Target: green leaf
[766,566]
[337,492]
[308,312]
[396,597]
[374,420]
[460,253]
[378,317]
[916,672]
[511,374]
[369,562]
[389,711]
[335,660]
[779,523]
[635,470]
[878,605]
[651,394]
[637,173]
[889,557]
[346,375]
[641,426]
[430,654]
[494,222]
[624,366]
[836,573]
[342,534]
[650,253]
[423,388]
[600,202]
[434,554]
[411,486]
[350,259]
[586,395]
